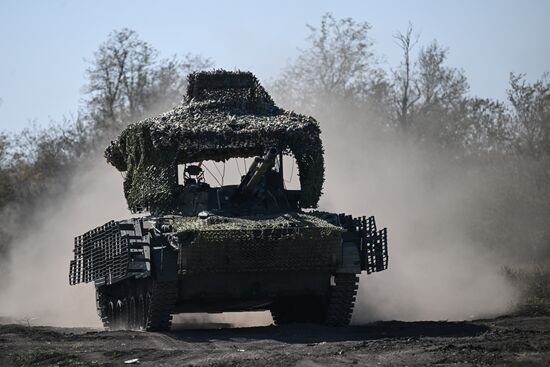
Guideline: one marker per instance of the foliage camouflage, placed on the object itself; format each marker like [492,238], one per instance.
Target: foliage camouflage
[294,222]
[286,242]
[225,115]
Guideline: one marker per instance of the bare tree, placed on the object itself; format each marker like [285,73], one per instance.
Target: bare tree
[531,111]
[6,189]
[339,63]
[5,144]
[490,128]
[440,115]
[406,92]
[126,80]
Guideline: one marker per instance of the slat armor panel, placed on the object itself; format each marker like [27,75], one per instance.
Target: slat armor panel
[103,254]
[374,244]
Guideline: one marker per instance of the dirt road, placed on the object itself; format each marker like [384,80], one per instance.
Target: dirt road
[516,341]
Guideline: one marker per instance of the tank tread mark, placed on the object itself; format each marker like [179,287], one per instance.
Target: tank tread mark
[342,299]
[162,299]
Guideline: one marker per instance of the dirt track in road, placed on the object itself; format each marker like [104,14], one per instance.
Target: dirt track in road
[520,341]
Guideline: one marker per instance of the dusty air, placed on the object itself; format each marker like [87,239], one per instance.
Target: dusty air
[310,183]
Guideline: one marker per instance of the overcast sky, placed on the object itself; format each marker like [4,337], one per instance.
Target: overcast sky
[44,44]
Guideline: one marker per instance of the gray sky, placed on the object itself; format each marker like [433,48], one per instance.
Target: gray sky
[44,44]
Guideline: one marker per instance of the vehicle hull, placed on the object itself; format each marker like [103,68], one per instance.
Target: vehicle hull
[301,267]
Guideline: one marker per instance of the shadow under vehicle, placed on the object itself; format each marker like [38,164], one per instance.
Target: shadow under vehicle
[255,245]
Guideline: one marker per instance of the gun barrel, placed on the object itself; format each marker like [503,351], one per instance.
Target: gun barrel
[261,169]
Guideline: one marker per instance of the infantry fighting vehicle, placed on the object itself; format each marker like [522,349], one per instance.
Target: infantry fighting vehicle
[254,245]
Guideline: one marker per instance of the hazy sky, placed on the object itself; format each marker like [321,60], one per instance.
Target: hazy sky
[44,44]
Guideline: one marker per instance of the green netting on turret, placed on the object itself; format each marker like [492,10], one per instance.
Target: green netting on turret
[226,115]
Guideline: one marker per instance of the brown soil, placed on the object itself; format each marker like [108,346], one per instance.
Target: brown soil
[514,340]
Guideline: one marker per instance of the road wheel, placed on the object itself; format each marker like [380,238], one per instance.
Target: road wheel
[119,316]
[141,304]
[132,316]
[125,315]
[140,314]
[110,322]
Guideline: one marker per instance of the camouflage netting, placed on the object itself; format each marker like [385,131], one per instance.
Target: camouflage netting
[289,242]
[225,115]
[294,222]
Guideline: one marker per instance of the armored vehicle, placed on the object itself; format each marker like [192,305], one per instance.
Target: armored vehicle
[201,247]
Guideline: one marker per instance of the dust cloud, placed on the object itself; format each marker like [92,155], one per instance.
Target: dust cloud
[436,270]
[38,289]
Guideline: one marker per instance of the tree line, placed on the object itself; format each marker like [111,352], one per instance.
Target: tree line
[423,99]
[423,96]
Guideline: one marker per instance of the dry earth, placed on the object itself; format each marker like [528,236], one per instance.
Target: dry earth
[513,340]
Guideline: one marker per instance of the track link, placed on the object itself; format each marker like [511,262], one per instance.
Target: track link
[334,310]
[161,302]
[342,299]
[104,310]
